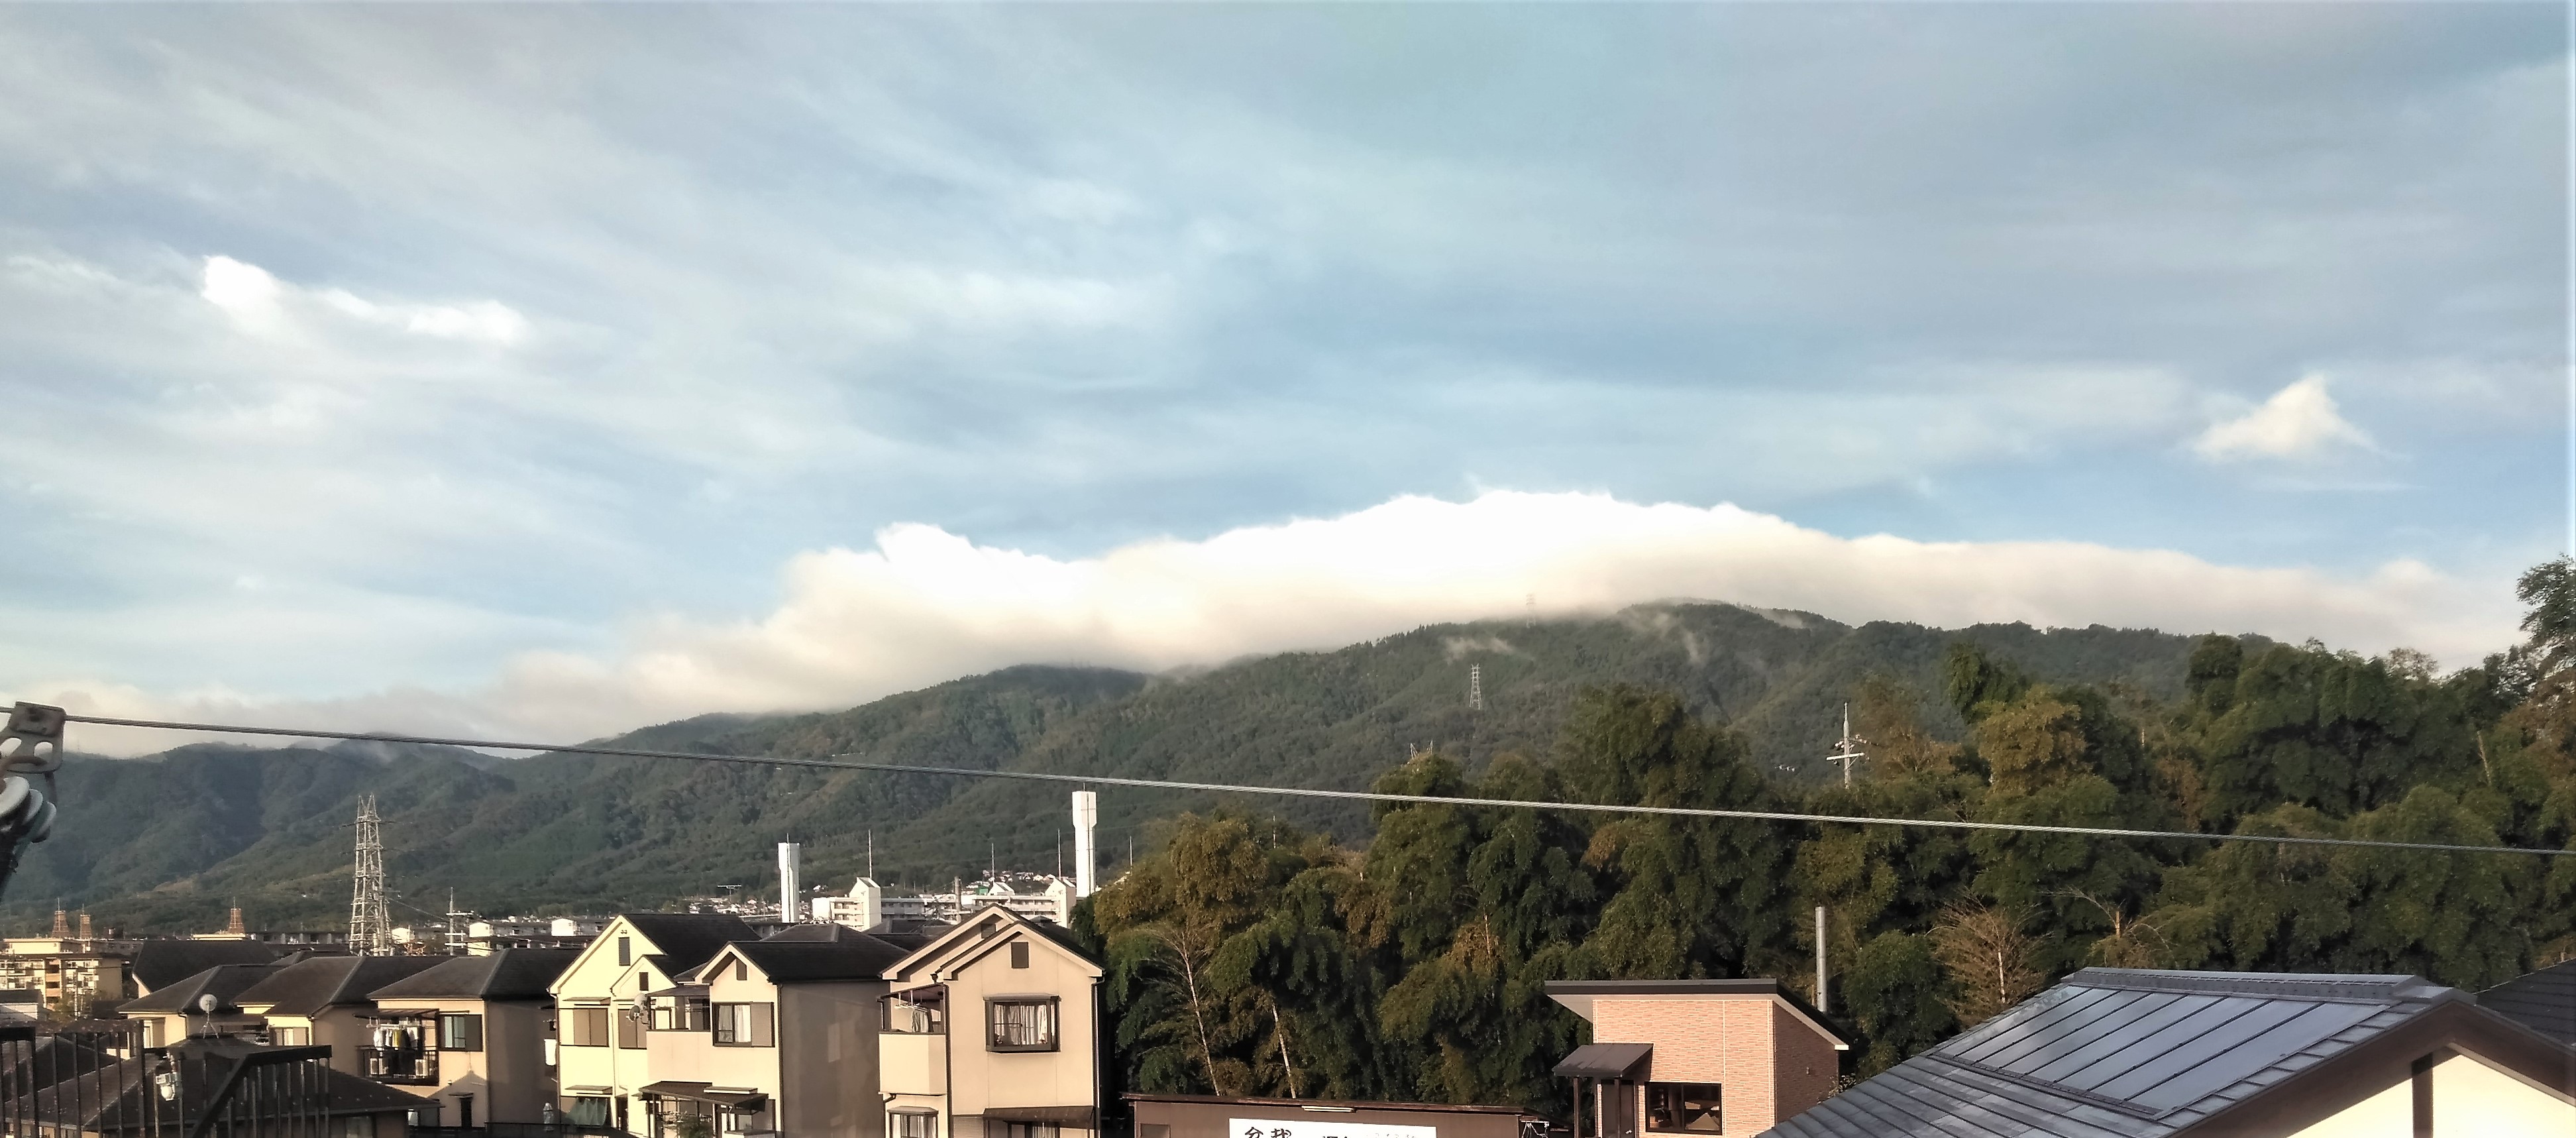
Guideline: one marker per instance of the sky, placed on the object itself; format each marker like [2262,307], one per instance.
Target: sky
[560,369]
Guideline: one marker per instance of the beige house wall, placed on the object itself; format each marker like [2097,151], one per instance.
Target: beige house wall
[1768,1063]
[972,1078]
[2470,1099]
[597,980]
[508,1078]
[820,1073]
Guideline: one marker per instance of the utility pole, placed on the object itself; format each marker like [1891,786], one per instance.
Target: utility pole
[1847,750]
[369,923]
[455,931]
[1822,1004]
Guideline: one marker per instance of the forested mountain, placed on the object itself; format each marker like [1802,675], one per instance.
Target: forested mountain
[165,842]
[1250,956]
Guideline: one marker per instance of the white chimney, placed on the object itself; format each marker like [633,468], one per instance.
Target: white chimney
[791,859]
[1086,814]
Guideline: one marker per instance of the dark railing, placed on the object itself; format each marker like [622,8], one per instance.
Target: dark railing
[518,1130]
[98,1079]
[408,1065]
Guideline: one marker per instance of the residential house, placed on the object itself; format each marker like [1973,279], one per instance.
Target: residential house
[155,964]
[2118,1053]
[602,1005]
[323,1001]
[775,1036]
[471,1035]
[173,1012]
[2544,1001]
[149,1096]
[992,1030]
[1695,1056]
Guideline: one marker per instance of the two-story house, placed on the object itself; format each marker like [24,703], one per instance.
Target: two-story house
[471,1035]
[324,1001]
[602,1007]
[775,1036]
[174,1011]
[992,1030]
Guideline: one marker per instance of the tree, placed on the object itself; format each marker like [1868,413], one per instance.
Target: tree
[1991,961]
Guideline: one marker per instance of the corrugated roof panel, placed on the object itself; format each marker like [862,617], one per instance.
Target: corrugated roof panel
[2257,1017]
[2052,1022]
[2187,1034]
[2253,1056]
[2107,1034]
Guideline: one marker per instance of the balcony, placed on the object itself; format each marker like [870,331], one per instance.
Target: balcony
[409,1066]
[913,1064]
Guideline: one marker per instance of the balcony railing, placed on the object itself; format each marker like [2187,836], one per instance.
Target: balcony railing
[404,1065]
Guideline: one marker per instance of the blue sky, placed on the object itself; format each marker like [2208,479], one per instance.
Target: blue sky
[381,362]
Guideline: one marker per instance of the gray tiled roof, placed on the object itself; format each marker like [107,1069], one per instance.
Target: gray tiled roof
[505,974]
[2544,1001]
[159,963]
[306,987]
[689,938]
[225,982]
[2118,1053]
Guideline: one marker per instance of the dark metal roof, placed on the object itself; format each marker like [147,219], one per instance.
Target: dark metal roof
[689,939]
[306,987]
[156,964]
[505,974]
[809,961]
[1327,1103]
[2116,1053]
[225,982]
[1606,1061]
[2544,1001]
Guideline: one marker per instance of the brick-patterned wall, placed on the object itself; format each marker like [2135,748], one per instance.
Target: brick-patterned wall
[1727,1040]
[1807,1066]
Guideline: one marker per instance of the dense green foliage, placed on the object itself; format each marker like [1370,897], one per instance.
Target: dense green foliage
[1249,956]
[165,843]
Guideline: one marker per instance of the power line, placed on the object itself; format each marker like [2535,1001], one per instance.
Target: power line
[1303,792]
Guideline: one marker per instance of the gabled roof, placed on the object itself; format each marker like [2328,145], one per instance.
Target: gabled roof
[2544,1001]
[852,956]
[225,982]
[110,1099]
[975,931]
[2117,1053]
[689,939]
[1578,996]
[307,987]
[159,963]
[506,974]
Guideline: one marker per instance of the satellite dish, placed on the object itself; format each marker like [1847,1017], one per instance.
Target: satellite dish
[207,1003]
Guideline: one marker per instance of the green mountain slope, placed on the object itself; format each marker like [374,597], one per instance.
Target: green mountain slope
[167,841]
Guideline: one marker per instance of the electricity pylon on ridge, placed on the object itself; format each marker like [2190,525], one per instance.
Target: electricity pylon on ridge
[370,925]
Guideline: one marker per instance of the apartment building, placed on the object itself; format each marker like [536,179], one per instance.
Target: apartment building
[325,1001]
[602,1006]
[992,1030]
[471,1035]
[775,1036]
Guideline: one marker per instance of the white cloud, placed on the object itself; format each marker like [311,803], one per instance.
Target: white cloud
[2299,421]
[924,605]
[259,302]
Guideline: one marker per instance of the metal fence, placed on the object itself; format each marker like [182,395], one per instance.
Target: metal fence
[97,1080]
[518,1130]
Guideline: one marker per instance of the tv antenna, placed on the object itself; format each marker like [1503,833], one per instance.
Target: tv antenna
[1847,749]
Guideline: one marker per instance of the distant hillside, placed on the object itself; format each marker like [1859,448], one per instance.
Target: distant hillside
[166,842]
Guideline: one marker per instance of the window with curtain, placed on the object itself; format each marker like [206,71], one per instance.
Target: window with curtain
[1022,1025]
[912,1124]
[1684,1108]
[742,1025]
[585,1027]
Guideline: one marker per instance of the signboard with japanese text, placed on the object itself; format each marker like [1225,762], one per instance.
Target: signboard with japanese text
[1324,1126]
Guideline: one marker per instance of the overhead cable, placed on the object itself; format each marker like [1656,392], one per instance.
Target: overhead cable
[832,763]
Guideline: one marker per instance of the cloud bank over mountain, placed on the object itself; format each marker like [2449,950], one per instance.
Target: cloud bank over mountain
[924,605]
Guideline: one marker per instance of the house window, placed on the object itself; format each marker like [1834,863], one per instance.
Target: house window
[425,1116]
[1022,1024]
[1019,954]
[1684,1108]
[741,970]
[742,1025]
[679,1013]
[630,1030]
[734,1120]
[912,1124]
[290,1037]
[625,952]
[458,1032]
[1028,1130]
[916,1011]
[587,1027]
[587,1111]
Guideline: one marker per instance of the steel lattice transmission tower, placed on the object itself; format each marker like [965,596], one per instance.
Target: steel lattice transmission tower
[1476,687]
[370,927]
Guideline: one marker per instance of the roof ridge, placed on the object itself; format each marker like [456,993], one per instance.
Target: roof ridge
[2382,989]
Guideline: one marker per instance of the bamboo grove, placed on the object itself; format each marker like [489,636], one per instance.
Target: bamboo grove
[1249,958]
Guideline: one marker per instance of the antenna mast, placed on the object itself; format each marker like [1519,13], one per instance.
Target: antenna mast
[369,923]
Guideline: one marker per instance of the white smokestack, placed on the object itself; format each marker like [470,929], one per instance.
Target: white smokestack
[1086,814]
[791,858]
